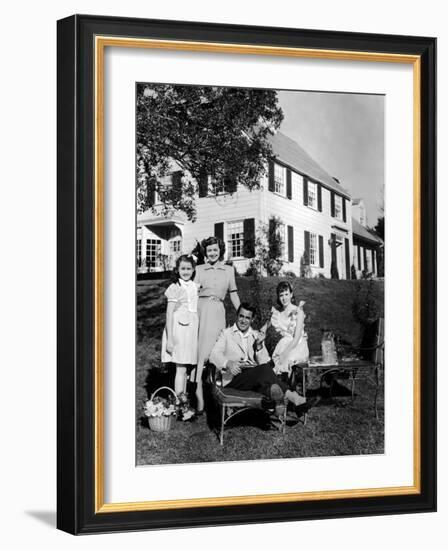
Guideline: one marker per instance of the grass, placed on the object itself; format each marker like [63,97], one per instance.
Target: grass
[334,428]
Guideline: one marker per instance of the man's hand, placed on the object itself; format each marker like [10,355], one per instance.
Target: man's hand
[233,367]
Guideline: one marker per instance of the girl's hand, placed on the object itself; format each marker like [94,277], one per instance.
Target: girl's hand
[169,347]
[260,337]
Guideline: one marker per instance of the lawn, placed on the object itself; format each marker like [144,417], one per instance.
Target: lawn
[335,427]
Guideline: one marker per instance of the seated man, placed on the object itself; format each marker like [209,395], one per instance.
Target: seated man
[241,356]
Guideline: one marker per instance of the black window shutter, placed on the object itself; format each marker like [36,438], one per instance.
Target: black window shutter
[249,237]
[219,230]
[288,184]
[290,243]
[305,191]
[359,257]
[321,251]
[203,183]
[319,197]
[230,184]
[176,178]
[332,204]
[373,261]
[271,176]
[365,258]
[344,210]
[150,193]
[347,259]
[307,245]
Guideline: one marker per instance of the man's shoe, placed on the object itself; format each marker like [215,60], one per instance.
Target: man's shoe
[305,407]
[268,404]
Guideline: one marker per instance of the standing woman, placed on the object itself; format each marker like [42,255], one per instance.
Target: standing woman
[215,279]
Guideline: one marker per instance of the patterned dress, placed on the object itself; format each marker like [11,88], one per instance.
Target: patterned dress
[185,324]
[214,282]
[286,327]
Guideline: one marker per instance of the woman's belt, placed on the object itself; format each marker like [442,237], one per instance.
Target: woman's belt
[211,298]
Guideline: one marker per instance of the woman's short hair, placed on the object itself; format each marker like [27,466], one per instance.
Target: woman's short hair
[281,287]
[214,240]
[188,258]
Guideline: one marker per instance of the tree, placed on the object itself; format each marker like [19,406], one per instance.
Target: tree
[378,229]
[269,248]
[210,136]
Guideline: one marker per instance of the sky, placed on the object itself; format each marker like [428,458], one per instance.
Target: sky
[344,133]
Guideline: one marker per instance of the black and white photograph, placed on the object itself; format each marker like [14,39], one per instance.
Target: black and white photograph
[259,274]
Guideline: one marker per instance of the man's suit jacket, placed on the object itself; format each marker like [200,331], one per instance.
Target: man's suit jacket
[229,347]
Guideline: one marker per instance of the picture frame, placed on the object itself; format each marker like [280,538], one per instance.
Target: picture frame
[82,41]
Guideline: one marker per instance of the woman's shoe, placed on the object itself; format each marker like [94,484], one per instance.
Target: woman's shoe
[305,407]
[294,398]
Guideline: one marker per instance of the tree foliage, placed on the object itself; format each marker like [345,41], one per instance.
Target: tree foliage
[215,133]
[378,229]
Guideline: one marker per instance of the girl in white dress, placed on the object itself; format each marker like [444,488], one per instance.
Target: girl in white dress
[180,337]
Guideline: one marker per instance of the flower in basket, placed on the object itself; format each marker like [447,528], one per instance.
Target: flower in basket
[160,406]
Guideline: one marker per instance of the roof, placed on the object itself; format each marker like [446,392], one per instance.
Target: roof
[361,232]
[290,152]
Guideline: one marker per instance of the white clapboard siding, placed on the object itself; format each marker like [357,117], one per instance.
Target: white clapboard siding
[224,208]
[304,218]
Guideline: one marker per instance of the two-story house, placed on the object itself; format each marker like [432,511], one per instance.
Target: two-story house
[313,207]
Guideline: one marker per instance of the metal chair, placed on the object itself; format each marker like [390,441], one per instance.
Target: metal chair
[232,402]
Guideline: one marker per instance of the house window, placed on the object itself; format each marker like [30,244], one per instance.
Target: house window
[175,248]
[281,232]
[217,187]
[369,268]
[312,195]
[139,253]
[153,250]
[164,184]
[314,251]
[279,179]
[338,207]
[235,239]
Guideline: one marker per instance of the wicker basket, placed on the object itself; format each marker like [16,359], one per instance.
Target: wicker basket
[161,423]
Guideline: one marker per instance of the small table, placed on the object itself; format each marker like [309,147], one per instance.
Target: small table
[353,369]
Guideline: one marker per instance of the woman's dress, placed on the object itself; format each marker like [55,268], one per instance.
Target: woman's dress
[285,325]
[214,281]
[184,295]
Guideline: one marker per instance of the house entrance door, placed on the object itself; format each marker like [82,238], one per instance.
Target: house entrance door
[340,257]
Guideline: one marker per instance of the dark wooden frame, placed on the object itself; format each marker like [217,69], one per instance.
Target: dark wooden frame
[76,261]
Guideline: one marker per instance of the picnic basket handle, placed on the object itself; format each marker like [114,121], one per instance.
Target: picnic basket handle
[163,388]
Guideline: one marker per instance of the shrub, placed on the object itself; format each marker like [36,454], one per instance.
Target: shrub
[365,307]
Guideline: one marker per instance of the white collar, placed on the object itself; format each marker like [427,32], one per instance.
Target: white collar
[243,334]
